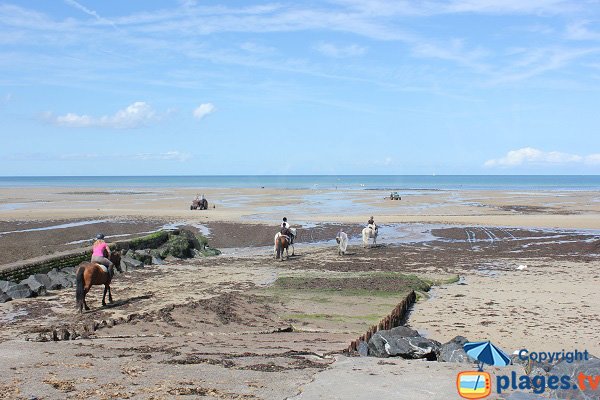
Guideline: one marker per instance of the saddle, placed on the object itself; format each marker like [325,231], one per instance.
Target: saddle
[107,270]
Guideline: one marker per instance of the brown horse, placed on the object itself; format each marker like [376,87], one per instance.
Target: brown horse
[282,242]
[91,273]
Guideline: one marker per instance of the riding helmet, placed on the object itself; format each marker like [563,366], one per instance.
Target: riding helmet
[100,236]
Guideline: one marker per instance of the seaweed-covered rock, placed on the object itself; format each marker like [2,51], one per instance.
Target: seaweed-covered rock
[142,255]
[177,246]
[207,252]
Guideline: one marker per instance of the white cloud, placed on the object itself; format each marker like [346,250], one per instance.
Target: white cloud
[135,115]
[203,110]
[256,48]
[6,98]
[579,31]
[173,155]
[530,155]
[169,155]
[331,50]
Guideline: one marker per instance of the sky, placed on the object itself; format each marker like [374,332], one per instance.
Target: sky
[111,87]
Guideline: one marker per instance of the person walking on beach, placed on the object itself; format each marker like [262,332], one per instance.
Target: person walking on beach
[98,253]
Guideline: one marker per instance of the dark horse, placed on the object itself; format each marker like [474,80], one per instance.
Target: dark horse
[91,273]
[282,242]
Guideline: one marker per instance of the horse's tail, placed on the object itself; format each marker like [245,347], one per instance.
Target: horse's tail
[79,291]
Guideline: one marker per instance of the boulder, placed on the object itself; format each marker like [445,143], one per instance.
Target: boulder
[60,280]
[68,270]
[37,287]
[157,261]
[142,255]
[590,367]
[363,348]
[130,264]
[4,297]
[453,351]
[15,290]
[403,342]
[177,246]
[43,279]
[210,252]
[5,285]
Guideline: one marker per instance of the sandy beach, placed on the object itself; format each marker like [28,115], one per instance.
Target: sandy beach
[526,263]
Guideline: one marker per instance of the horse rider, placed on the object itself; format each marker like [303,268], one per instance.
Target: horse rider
[371,223]
[285,230]
[98,253]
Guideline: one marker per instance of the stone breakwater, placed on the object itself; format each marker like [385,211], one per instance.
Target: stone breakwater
[34,277]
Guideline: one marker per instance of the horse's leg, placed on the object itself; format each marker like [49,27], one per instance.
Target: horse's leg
[277,249]
[110,299]
[85,292]
[104,294]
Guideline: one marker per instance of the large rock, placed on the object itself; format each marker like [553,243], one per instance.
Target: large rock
[142,255]
[453,351]
[130,264]
[4,297]
[589,368]
[15,290]
[37,287]
[177,246]
[45,280]
[68,270]
[402,342]
[60,280]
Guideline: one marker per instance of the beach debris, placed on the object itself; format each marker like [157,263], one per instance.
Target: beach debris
[522,267]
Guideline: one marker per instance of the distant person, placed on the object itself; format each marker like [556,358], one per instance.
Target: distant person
[371,222]
[100,252]
[285,229]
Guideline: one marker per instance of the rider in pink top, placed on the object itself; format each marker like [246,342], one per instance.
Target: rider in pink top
[98,253]
[98,249]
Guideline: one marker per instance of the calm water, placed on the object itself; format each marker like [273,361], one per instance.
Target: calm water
[358,182]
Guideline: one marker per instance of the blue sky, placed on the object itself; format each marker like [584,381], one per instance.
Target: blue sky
[316,87]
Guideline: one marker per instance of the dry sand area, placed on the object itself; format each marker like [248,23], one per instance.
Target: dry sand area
[245,326]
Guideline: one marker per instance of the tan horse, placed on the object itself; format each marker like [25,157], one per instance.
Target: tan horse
[91,273]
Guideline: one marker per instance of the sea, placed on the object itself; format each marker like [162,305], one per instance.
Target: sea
[325,182]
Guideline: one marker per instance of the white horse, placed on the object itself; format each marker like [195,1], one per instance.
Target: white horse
[342,241]
[369,232]
[293,230]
